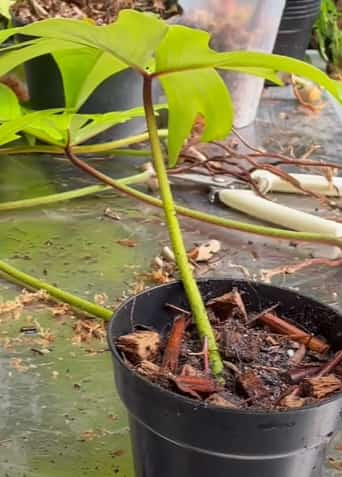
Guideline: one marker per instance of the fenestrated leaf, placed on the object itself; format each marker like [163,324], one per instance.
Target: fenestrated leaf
[10,129]
[50,127]
[61,129]
[10,59]
[9,104]
[98,123]
[202,95]
[83,70]
[184,49]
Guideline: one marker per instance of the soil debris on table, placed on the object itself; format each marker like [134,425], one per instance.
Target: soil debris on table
[269,362]
[86,330]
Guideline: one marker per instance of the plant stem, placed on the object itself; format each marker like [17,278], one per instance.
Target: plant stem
[86,148]
[109,146]
[193,214]
[208,218]
[55,150]
[190,285]
[73,194]
[191,288]
[55,292]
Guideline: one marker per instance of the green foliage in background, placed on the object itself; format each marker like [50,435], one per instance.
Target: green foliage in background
[328,33]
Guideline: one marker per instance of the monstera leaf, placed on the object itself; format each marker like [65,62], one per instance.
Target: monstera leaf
[9,104]
[72,129]
[82,70]
[179,57]
[58,127]
[11,130]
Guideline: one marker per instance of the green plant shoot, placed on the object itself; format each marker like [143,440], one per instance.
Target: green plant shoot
[187,69]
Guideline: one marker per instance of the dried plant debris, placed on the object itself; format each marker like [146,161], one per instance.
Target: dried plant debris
[14,308]
[87,329]
[127,243]
[100,12]
[205,251]
[269,362]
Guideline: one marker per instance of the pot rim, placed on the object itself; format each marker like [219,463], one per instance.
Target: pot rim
[197,404]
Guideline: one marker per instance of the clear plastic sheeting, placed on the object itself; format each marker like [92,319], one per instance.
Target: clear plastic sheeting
[250,25]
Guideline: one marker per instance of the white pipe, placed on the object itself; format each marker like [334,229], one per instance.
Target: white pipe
[248,202]
[315,183]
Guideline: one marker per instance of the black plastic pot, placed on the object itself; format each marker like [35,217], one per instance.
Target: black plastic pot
[296,27]
[117,93]
[174,436]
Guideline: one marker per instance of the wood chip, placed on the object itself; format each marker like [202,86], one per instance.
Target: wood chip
[279,325]
[127,243]
[225,305]
[148,369]
[320,387]
[174,343]
[217,400]
[140,345]
[292,402]
[252,385]
[196,386]
[108,212]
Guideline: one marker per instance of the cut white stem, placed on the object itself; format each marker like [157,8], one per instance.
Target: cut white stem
[248,202]
[270,182]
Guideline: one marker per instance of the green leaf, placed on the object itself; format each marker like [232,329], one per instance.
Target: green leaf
[183,49]
[50,127]
[9,130]
[9,104]
[132,39]
[61,129]
[279,63]
[10,59]
[83,70]
[95,124]
[5,8]
[202,96]
[264,73]
[179,56]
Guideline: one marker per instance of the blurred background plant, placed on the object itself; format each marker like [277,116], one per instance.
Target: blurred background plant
[5,16]
[327,36]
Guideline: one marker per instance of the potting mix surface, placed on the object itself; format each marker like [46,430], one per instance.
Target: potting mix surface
[269,362]
[60,414]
